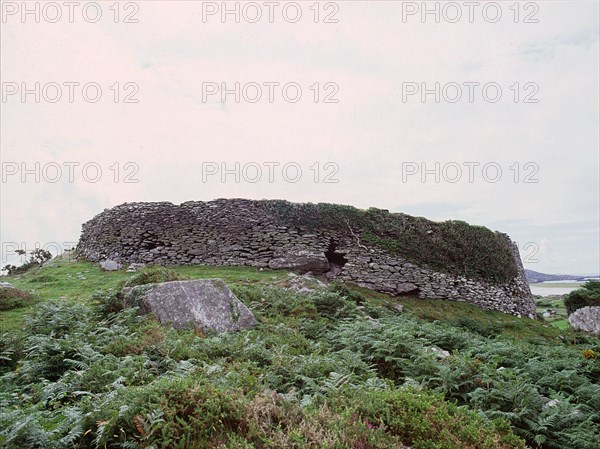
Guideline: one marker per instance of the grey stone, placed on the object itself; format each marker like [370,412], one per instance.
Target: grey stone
[551,403]
[439,352]
[301,284]
[110,265]
[6,285]
[586,319]
[207,304]
[134,267]
[405,288]
[302,261]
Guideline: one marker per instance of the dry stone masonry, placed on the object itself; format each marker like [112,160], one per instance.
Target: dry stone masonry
[390,253]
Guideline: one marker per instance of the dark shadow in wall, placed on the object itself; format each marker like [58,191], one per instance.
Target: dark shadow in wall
[151,241]
[410,293]
[336,260]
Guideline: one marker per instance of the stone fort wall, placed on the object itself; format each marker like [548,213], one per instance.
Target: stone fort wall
[254,233]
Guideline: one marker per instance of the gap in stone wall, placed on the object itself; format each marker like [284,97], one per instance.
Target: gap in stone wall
[336,259]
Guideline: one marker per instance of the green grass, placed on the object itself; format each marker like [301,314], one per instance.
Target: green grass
[560,320]
[338,368]
[453,312]
[562,324]
[507,325]
[64,278]
[78,280]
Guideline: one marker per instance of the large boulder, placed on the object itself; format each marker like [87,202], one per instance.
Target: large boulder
[586,319]
[207,304]
[301,261]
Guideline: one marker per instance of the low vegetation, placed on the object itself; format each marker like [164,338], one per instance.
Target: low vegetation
[587,295]
[13,298]
[336,368]
[451,246]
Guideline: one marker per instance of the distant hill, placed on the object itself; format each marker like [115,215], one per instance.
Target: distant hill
[535,276]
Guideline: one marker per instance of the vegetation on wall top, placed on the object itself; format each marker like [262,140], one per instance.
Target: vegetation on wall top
[450,246]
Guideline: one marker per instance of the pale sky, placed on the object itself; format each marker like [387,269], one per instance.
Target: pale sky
[518,152]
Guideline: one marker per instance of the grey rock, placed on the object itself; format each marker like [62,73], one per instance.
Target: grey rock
[586,319]
[301,284]
[134,267]
[439,352]
[110,265]
[302,261]
[207,304]
[405,288]
[552,403]
[6,285]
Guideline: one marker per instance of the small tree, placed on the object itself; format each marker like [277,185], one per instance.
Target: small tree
[36,258]
[10,269]
[587,295]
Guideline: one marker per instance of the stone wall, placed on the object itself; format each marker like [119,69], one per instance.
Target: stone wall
[245,232]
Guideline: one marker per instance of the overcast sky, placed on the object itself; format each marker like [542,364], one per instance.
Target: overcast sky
[485,113]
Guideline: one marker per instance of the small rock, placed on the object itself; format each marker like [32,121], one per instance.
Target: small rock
[301,284]
[6,285]
[439,352]
[134,267]
[110,265]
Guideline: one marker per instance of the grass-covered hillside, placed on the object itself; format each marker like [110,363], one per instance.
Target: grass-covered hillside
[337,367]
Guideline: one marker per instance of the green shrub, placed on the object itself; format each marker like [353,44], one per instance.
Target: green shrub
[478,327]
[333,306]
[179,412]
[274,302]
[424,420]
[587,295]
[36,258]
[107,301]
[353,295]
